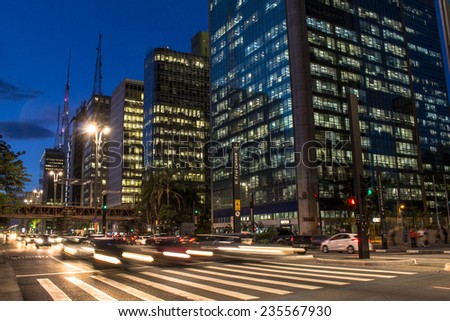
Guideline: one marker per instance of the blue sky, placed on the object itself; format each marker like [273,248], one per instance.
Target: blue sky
[35,39]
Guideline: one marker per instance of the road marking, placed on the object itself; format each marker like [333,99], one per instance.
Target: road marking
[234,294]
[279,276]
[67,264]
[162,287]
[317,275]
[345,268]
[56,293]
[241,277]
[52,273]
[96,293]
[230,283]
[137,293]
[281,267]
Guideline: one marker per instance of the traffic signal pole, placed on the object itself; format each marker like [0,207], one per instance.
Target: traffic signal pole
[362,220]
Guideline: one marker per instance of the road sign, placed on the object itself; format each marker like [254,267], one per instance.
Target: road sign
[237,205]
[237,213]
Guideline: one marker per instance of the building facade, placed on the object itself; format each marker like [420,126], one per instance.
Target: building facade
[52,169]
[125,173]
[176,117]
[283,75]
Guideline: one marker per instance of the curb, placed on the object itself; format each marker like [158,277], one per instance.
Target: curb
[363,262]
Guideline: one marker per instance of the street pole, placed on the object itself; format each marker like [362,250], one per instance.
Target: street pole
[358,172]
[436,204]
[252,212]
[384,243]
[446,201]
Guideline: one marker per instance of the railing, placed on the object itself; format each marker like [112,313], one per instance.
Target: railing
[68,212]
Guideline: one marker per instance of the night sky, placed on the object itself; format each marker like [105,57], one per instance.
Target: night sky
[35,40]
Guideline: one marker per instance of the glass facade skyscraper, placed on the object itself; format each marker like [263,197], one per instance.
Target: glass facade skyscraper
[282,74]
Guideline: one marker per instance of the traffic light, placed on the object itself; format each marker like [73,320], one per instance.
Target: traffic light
[351,201]
[104,206]
[195,212]
[316,196]
[366,186]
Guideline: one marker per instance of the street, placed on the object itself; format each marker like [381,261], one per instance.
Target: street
[43,276]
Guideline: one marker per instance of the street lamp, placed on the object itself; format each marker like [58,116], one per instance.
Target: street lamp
[98,135]
[37,195]
[55,180]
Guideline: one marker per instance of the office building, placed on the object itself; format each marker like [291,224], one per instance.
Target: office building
[51,176]
[125,172]
[283,76]
[176,116]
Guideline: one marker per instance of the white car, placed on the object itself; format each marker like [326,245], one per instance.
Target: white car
[342,242]
[141,240]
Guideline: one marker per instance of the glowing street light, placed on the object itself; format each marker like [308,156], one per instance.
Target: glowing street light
[98,135]
[55,180]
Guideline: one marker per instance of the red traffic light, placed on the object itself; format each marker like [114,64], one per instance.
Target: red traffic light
[316,196]
[351,201]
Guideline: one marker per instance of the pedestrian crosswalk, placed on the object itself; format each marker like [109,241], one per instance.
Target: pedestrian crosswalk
[211,282]
[29,257]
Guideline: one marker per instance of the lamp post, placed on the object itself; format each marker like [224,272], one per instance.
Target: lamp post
[98,135]
[55,180]
[37,195]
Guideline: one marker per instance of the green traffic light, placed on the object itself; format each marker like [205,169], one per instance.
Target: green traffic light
[369,192]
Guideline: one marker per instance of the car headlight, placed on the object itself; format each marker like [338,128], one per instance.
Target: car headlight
[39,241]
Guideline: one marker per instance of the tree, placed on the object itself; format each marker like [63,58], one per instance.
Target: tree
[13,175]
[161,202]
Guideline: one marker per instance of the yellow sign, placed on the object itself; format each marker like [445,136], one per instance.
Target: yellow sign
[237,205]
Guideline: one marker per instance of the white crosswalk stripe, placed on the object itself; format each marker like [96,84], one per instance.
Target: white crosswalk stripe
[96,293]
[165,288]
[278,276]
[234,294]
[294,272]
[217,281]
[135,292]
[287,268]
[230,283]
[259,280]
[56,293]
[350,269]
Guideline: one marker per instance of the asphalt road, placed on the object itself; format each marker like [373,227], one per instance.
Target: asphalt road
[43,276]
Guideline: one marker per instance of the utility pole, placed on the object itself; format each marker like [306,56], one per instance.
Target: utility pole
[358,172]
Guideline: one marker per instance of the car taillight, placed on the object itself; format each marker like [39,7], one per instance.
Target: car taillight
[355,239]
[292,239]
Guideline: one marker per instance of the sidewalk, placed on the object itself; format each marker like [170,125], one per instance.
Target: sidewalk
[439,248]
[9,289]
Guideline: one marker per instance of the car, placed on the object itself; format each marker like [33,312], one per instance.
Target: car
[29,239]
[42,240]
[55,239]
[77,247]
[316,240]
[107,253]
[155,239]
[342,242]
[141,240]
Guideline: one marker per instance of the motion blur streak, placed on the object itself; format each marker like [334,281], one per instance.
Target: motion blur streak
[138,257]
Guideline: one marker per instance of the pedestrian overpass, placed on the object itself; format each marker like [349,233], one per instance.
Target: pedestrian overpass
[75,213]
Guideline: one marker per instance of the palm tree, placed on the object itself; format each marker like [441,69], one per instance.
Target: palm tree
[160,200]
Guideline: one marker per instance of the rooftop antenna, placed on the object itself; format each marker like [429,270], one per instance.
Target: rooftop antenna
[98,69]
[58,133]
[65,117]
